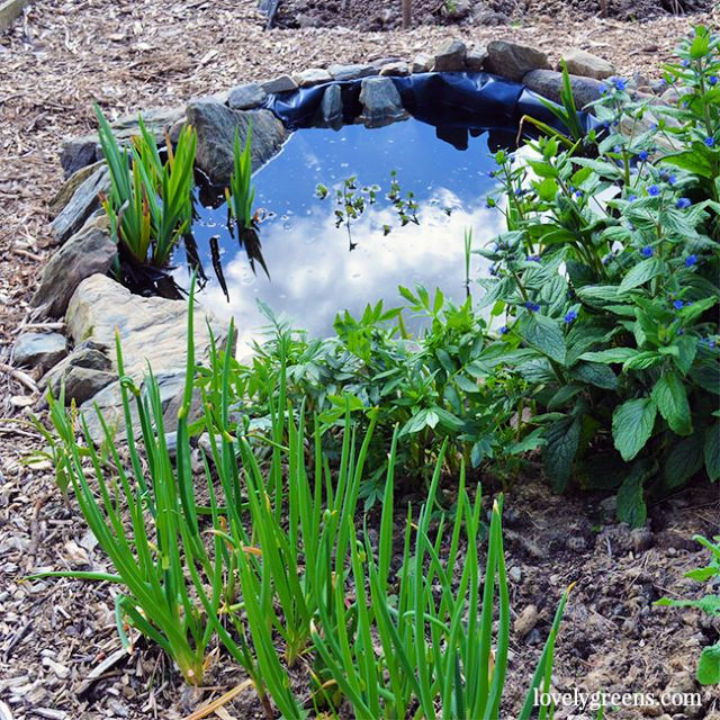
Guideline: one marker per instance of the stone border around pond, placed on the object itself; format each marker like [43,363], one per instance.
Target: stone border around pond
[74,282]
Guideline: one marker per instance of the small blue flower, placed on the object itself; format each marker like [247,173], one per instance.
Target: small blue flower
[646,252]
[578,193]
[531,306]
[491,173]
[603,88]
[632,198]
[533,258]
[570,317]
[691,260]
[678,304]
[683,203]
[713,79]
[710,142]
[685,63]
[643,155]
[653,190]
[620,83]
[672,179]
[504,330]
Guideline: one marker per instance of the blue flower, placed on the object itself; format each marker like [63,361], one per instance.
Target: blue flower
[643,155]
[620,83]
[646,252]
[672,179]
[531,306]
[578,193]
[678,304]
[603,88]
[691,260]
[713,79]
[685,63]
[653,190]
[632,198]
[710,142]
[504,330]
[533,258]
[683,203]
[570,317]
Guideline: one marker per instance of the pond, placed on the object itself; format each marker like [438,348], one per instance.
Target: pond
[314,268]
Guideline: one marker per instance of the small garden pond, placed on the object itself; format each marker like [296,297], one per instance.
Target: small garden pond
[313,263]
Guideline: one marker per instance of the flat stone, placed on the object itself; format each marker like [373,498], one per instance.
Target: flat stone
[514,61]
[395,68]
[450,57]
[39,349]
[82,383]
[548,83]
[68,188]
[313,76]
[84,150]
[245,97]
[354,71]
[281,84]
[381,102]
[422,63]
[475,59]
[216,124]
[88,252]
[331,107]
[152,332]
[580,62]
[83,203]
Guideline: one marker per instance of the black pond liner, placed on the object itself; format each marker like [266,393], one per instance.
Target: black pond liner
[455,103]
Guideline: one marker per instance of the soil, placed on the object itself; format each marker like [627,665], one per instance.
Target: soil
[381,15]
[58,646]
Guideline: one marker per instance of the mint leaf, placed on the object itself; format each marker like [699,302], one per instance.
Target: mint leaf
[632,426]
[671,399]
[545,335]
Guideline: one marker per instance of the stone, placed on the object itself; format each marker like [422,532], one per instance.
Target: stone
[82,383]
[216,125]
[281,84]
[39,349]
[580,62]
[514,61]
[642,539]
[88,252]
[451,57]
[313,76]
[422,63]
[83,203]
[152,332]
[548,83]
[245,97]
[456,10]
[331,107]
[395,68]
[381,102]
[68,188]
[80,151]
[475,59]
[352,72]
[86,355]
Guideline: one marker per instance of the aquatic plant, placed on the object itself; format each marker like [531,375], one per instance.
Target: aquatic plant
[149,205]
[241,193]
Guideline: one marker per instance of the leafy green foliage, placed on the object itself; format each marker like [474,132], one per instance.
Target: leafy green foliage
[241,193]
[708,670]
[150,202]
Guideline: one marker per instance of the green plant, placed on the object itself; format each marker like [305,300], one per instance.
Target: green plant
[708,669]
[241,193]
[607,278]
[149,205]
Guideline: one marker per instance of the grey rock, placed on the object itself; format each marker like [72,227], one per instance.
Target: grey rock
[39,349]
[642,539]
[451,57]
[514,61]
[352,72]
[395,68]
[87,355]
[281,84]
[548,83]
[422,63]
[216,125]
[68,188]
[245,97]
[456,10]
[88,252]
[81,206]
[313,76]
[381,102]
[475,59]
[152,332]
[82,383]
[84,150]
[586,64]
[171,443]
[331,108]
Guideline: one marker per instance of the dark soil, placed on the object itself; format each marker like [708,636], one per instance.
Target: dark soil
[381,15]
